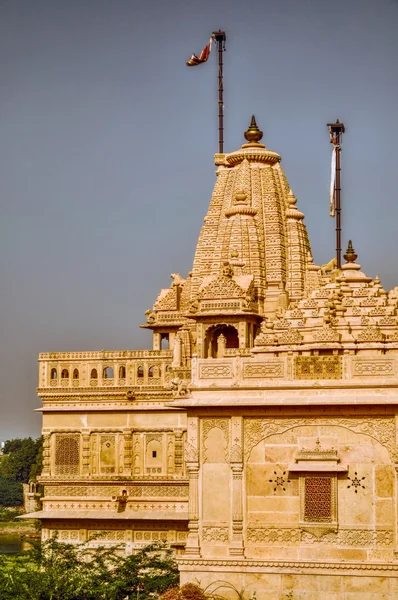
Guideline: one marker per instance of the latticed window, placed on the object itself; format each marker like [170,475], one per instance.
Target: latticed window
[318,499]
[67,454]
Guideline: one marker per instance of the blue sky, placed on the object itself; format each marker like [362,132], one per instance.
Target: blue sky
[107,143]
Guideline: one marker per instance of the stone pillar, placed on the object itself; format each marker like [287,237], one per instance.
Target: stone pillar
[221,345]
[243,335]
[156,340]
[177,352]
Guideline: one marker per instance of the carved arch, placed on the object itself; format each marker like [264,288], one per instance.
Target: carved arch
[381,429]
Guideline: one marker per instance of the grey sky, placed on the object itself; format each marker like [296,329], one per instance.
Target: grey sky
[107,142]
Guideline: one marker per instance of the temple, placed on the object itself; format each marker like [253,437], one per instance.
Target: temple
[259,436]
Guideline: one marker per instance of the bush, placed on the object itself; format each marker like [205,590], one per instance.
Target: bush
[56,571]
[9,514]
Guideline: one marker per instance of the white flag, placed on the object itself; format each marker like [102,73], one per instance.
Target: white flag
[332,210]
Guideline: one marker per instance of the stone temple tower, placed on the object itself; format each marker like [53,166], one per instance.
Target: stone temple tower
[251,258]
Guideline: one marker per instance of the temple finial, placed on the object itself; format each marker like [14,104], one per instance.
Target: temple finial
[253,134]
[350,255]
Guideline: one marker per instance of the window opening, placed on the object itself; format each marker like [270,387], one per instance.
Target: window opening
[107,373]
[165,341]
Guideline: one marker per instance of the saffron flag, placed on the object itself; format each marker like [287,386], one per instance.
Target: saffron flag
[332,210]
[204,55]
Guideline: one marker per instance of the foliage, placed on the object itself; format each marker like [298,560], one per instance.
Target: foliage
[9,514]
[21,459]
[56,571]
[11,493]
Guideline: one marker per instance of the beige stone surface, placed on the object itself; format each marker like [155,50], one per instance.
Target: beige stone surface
[258,436]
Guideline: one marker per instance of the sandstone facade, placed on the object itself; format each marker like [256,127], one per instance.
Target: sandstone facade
[259,435]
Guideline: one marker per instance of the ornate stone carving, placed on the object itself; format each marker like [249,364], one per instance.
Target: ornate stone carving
[259,370]
[370,334]
[318,367]
[221,424]
[373,368]
[236,453]
[191,453]
[291,337]
[67,454]
[208,424]
[180,387]
[218,371]
[215,534]
[281,536]
[326,334]
[380,429]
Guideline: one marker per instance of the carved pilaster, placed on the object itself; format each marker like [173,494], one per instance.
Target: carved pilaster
[46,454]
[396,511]
[192,548]
[156,341]
[236,547]
[86,454]
[178,452]
[192,463]
[127,456]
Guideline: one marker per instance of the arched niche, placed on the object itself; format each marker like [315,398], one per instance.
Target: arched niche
[212,342]
[154,458]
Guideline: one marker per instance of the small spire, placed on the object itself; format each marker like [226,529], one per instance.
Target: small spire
[253,134]
[350,255]
[291,199]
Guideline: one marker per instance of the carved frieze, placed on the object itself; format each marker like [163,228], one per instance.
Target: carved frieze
[281,536]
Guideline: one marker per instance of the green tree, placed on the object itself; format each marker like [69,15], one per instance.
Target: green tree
[56,571]
[21,459]
[11,493]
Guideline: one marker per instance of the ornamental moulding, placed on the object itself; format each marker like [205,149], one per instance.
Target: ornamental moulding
[300,566]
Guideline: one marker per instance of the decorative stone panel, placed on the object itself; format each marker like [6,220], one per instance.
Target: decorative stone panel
[318,367]
[373,368]
[271,369]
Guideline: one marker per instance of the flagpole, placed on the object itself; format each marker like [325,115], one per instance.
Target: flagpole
[220,37]
[336,130]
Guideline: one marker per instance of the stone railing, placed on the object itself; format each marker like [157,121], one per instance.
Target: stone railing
[259,371]
[105,369]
